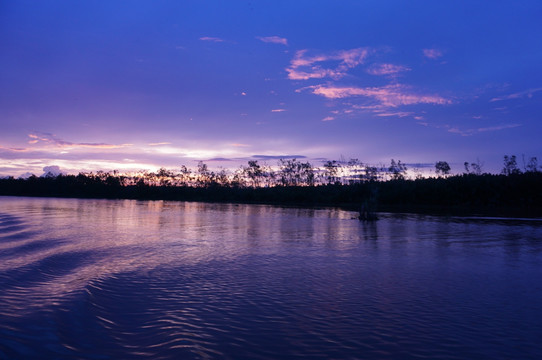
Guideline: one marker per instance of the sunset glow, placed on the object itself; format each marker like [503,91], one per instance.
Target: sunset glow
[134,86]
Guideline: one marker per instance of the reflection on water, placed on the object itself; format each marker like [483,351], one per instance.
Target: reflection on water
[99,279]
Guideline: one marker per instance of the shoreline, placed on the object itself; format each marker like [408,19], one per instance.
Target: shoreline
[431,210]
[518,195]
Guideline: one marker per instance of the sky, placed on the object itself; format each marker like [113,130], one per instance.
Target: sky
[138,85]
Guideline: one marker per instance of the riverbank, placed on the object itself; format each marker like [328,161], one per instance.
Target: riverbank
[518,195]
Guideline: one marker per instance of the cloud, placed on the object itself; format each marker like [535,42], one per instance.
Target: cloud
[304,67]
[387,69]
[159,143]
[240,145]
[273,40]
[388,96]
[328,118]
[52,170]
[220,159]
[278,157]
[420,165]
[278,110]
[432,53]
[51,139]
[14,149]
[469,132]
[210,38]
[397,114]
[527,93]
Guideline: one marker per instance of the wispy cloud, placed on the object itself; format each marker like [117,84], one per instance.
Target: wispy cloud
[387,69]
[14,149]
[470,132]
[159,143]
[51,139]
[220,159]
[394,114]
[388,96]
[240,145]
[304,67]
[273,40]
[432,53]
[328,118]
[278,110]
[211,38]
[277,157]
[527,93]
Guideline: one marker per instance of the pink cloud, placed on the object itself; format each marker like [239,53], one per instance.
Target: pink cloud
[278,110]
[432,53]
[527,93]
[159,143]
[304,67]
[389,96]
[14,149]
[328,118]
[210,38]
[387,69]
[273,40]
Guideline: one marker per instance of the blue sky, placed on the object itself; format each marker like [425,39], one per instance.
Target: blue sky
[133,85]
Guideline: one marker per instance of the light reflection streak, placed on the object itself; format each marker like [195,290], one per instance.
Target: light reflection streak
[150,279]
[66,244]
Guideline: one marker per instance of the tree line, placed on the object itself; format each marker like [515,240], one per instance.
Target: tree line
[293,172]
[343,183]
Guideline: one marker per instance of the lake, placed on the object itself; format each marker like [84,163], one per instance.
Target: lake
[126,279]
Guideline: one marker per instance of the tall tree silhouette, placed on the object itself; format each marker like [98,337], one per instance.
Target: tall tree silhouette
[510,165]
[442,168]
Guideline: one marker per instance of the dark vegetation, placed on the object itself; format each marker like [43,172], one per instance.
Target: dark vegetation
[297,183]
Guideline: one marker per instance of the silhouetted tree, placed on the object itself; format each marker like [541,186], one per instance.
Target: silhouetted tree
[185,176]
[466,165]
[269,175]
[397,170]
[474,168]
[442,168]
[204,175]
[164,176]
[510,165]
[288,172]
[254,172]
[371,173]
[238,178]
[355,171]
[293,172]
[331,168]
[221,178]
[307,173]
[532,165]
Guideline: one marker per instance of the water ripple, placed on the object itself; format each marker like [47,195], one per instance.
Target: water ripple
[93,279]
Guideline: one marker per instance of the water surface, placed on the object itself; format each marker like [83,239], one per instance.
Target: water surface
[123,279]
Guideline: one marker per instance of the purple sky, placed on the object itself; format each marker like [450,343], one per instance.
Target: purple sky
[129,85]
